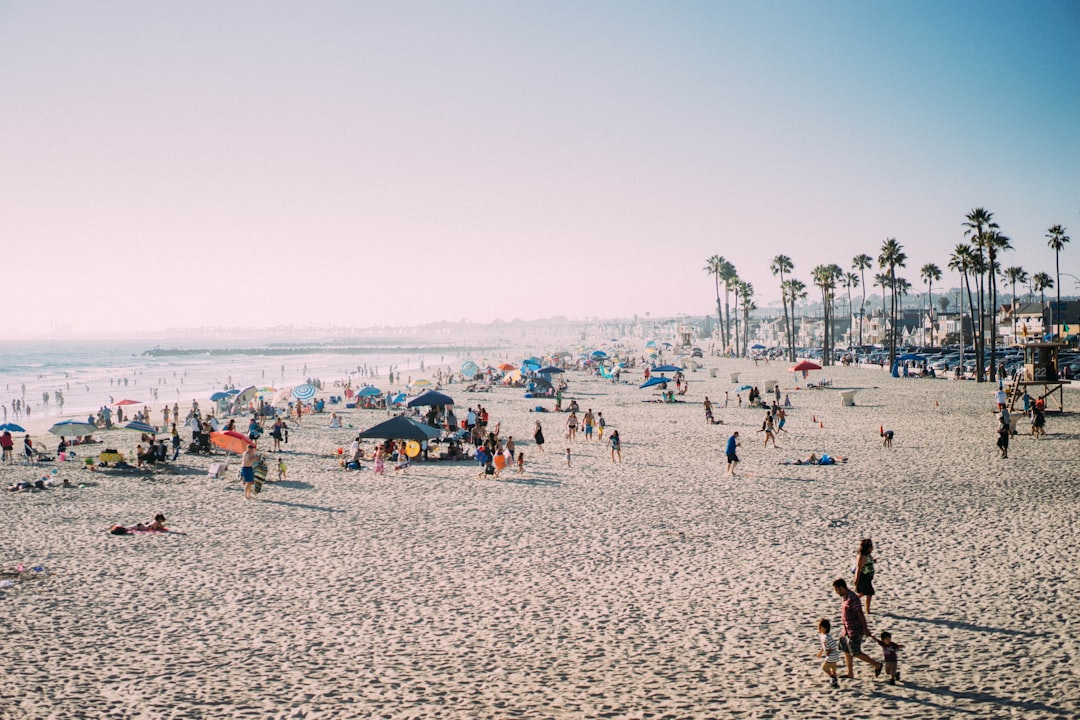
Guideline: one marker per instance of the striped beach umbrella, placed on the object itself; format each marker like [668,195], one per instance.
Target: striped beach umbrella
[304,392]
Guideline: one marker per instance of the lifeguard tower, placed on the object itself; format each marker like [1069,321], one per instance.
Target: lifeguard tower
[685,336]
[1040,370]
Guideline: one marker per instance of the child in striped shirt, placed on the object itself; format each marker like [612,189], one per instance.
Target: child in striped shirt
[829,650]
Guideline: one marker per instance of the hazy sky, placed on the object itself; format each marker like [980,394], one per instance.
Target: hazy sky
[356,163]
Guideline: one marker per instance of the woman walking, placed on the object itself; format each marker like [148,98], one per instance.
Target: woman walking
[864,571]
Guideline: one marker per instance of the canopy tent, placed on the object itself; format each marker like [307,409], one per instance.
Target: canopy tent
[430,397]
[401,428]
[667,368]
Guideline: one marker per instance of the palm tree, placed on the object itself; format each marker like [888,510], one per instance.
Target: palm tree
[1040,282]
[713,266]
[729,278]
[782,264]
[1056,239]
[850,280]
[930,273]
[995,243]
[860,263]
[901,288]
[745,293]
[979,221]
[794,289]
[892,256]
[1015,274]
[824,277]
[960,261]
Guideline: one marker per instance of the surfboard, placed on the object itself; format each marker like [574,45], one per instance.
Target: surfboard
[260,475]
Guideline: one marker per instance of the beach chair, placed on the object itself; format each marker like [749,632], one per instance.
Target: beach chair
[217,470]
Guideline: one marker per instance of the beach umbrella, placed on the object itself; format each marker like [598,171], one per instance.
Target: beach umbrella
[744,388]
[232,391]
[549,369]
[281,396]
[231,441]
[401,428]
[598,355]
[506,367]
[803,366]
[666,344]
[219,395]
[304,392]
[142,427]
[72,428]
[369,391]
[667,368]
[911,356]
[399,398]
[658,380]
[757,346]
[650,344]
[126,402]
[430,397]
[469,369]
[420,383]
[12,427]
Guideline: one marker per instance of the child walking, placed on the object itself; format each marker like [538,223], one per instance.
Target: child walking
[521,463]
[567,457]
[889,648]
[829,650]
[281,469]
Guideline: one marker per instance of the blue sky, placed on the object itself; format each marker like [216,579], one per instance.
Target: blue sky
[384,163]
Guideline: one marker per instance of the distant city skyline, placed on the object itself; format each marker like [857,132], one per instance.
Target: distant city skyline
[179,165]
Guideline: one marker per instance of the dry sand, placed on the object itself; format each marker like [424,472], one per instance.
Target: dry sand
[653,588]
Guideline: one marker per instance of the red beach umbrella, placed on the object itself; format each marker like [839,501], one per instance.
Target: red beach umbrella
[231,441]
[804,366]
[126,402]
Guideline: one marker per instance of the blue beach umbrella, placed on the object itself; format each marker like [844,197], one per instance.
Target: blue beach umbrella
[430,397]
[304,392]
[12,427]
[598,355]
[369,391]
[219,395]
[658,380]
[469,369]
[744,388]
[667,368]
[757,346]
[548,370]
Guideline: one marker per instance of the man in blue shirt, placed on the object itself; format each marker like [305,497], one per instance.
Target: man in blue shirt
[732,458]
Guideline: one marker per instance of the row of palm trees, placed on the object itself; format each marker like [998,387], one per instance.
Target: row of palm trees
[976,260]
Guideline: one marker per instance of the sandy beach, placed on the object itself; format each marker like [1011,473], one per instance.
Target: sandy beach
[654,588]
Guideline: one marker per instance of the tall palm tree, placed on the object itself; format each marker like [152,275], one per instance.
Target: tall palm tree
[996,243]
[861,263]
[850,280]
[794,289]
[960,261]
[782,264]
[729,277]
[1056,239]
[930,273]
[891,257]
[978,222]
[745,294]
[824,277]
[713,266]
[1015,274]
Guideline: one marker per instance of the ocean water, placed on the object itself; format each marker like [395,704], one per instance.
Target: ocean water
[92,374]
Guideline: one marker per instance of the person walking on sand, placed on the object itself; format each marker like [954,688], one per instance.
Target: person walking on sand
[864,571]
[538,437]
[767,428]
[709,412]
[1003,437]
[732,457]
[855,629]
[567,457]
[247,471]
[571,427]
[616,446]
[829,650]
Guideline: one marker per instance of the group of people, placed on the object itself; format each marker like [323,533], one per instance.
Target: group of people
[854,626]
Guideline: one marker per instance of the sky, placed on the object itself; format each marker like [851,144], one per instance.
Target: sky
[168,165]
